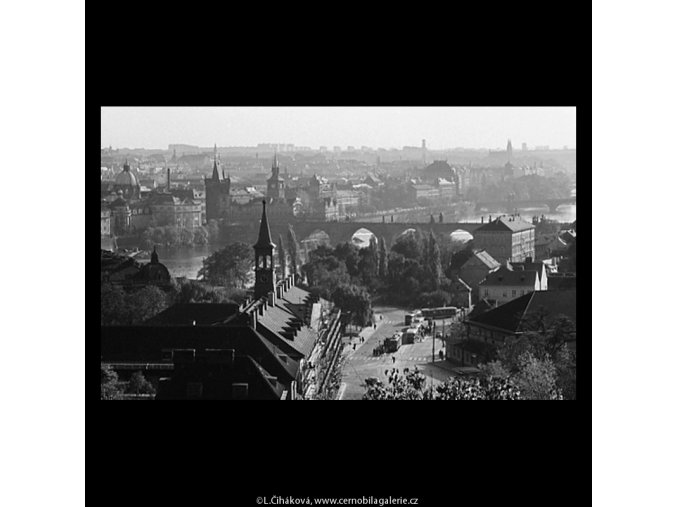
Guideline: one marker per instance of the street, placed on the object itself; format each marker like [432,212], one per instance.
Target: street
[360,363]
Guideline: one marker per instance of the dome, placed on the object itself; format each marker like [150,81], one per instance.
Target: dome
[127,178]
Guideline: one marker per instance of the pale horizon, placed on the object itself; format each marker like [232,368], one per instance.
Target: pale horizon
[375,127]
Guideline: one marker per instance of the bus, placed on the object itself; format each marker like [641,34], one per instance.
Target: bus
[441,312]
[393,343]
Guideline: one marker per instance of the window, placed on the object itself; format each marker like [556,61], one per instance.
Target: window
[514,293]
[505,294]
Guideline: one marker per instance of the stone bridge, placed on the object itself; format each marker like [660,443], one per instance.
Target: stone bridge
[338,232]
[509,206]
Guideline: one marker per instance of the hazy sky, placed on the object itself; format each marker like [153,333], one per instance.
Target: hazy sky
[377,127]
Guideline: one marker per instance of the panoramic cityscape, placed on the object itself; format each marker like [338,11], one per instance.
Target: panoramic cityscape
[238,265]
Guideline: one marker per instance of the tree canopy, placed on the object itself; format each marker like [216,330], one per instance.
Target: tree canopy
[412,385]
[230,266]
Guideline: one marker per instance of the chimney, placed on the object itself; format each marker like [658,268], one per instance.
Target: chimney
[169,181]
[271,298]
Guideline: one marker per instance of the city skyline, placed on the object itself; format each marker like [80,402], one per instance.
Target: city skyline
[375,127]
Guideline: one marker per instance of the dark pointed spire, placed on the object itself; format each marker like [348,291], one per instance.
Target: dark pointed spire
[215,170]
[154,257]
[264,231]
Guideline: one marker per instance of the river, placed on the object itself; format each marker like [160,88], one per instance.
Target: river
[184,261]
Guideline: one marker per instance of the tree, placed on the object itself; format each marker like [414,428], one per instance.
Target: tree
[355,301]
[539,360]
[138,384]
[433,299]
[412,385]
[195,291]
[433,261]
[368,263]
[185,236]
[408,246]
[171,235]
[230,266]
[537,378]
[294,260]
[200,236]
[145,303]
[383,260]
[110,385]
[350,255]
[113,305]
[282,258]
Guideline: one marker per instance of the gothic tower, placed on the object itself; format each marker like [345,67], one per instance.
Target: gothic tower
[275,183]
[217,192]
[509,150]
[263,259]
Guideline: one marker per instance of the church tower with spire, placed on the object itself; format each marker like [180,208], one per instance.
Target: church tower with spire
[217,192]
[509,150]
[275,188]
[263,259]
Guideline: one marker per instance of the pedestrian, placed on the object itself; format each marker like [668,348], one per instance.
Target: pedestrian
[353,346]
[393,359]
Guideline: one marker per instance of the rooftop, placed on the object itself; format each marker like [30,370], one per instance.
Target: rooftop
[506,224]
[511,315]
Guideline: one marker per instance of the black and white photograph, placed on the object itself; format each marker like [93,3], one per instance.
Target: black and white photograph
[338,253]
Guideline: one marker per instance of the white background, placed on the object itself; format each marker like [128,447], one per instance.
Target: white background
[634,292]
[42,341]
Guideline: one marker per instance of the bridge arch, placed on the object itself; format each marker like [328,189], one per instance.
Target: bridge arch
[460,236]
[314,239]
[362,236]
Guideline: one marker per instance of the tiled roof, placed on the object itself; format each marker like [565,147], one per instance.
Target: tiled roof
[560,282]
[486,259]
[296,295]
[146,343]
[275,319]
[508,277]
[504,224]
[483,305]
[204,314]
[510,316]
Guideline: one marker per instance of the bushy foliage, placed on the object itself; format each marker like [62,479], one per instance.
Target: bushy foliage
[111,388]
[128,308]
[412,385]
[138,384]
[174,236]
[539,361]
[355,301]
[195,291]
[230,266]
